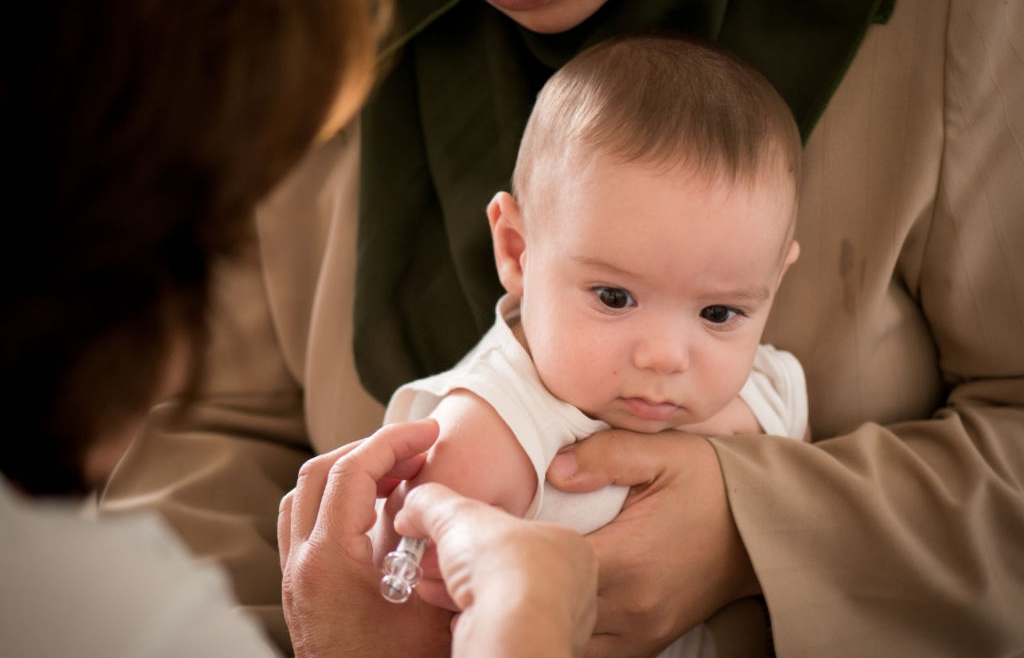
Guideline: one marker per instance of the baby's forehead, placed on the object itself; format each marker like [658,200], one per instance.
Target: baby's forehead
[591,199]
[560,170]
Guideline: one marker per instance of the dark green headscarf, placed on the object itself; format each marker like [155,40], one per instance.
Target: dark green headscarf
[441,132]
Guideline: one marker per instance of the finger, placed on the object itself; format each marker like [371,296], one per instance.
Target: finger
[284,529]
[347,509]
[311,485]
[405,469]
[616,457]
[435,592]
[432,587]
[448,519]
[428,510]
[309,491]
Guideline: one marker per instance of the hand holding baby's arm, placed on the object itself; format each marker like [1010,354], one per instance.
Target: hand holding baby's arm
[677,511]
[478,456]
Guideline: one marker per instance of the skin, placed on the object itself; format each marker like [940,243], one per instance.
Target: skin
[547,16]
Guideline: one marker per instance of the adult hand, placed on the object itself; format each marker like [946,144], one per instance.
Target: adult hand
[330,586]
[673,556]
[525,588]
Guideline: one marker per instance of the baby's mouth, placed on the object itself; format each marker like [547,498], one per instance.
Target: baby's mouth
[647,410]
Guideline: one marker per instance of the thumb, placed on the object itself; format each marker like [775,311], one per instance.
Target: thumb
[617,457]
[429,511]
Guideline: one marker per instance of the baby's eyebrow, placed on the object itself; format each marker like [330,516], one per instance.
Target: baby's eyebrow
[590,261]
[753,293]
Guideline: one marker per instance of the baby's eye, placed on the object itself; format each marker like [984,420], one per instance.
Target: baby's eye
[614,297]
[718,314]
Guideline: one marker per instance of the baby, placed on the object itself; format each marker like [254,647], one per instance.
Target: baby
[650,224]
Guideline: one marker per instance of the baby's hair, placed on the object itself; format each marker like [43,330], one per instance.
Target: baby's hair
[662,100]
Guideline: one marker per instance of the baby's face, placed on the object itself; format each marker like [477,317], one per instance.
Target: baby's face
[645,293]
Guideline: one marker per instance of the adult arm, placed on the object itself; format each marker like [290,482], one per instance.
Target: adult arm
[899,535]
[906,535]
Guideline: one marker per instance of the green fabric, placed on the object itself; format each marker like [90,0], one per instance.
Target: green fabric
[440,135]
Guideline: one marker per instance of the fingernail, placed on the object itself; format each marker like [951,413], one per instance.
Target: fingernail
[564,465]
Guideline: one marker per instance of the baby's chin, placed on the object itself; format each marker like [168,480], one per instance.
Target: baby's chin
[623,420]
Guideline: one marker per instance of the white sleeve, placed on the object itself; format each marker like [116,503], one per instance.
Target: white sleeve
[776,392]
[120,587]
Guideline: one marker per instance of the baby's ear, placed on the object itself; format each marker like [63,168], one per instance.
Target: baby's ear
[509,241]
[791,256]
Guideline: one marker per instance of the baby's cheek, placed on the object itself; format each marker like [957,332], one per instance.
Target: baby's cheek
[725,383]
[563,380]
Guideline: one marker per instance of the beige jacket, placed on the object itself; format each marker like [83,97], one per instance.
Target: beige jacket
[903,535]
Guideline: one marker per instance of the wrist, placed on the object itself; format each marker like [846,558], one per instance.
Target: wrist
[528,626]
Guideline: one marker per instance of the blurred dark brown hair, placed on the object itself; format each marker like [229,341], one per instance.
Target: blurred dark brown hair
[139,135]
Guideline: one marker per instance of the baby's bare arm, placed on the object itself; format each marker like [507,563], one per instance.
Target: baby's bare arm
[477,455]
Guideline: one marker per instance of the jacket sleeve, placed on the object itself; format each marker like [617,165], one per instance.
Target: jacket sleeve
[902,535]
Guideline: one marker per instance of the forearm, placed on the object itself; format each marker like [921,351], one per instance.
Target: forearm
[905,536]
[514,629]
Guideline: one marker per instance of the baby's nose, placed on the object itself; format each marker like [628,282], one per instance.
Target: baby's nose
[664,351]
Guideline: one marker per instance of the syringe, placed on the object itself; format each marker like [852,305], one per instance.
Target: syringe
[402,569]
